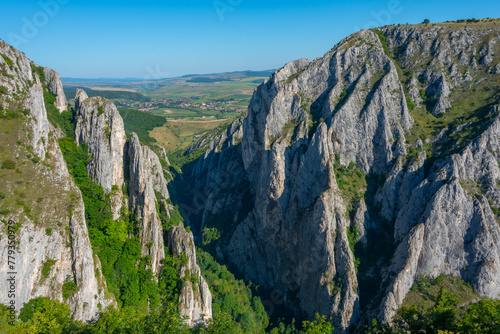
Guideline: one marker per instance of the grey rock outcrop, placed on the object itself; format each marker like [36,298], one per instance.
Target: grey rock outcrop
[195,298]
[146,178]
[100,127]
[80,96]
[52,243]
[39,121]
[53,82]
[53,247]
[268,179]
[147,198]
[456,230]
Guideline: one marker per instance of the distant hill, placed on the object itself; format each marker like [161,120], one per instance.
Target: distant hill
[189,77]
[109,94]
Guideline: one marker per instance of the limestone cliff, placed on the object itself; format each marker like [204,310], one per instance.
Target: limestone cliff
[100,127]
[399,105]
[146,178]
[195,297]
[54,257]
[54,84]
[53,246]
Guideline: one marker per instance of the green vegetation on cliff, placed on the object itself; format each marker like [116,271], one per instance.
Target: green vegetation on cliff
[114,241]
[141,123]
[232,297]
[445,304]
[127,274]
[42,315]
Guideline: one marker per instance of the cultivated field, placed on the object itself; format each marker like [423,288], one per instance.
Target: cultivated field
[180,133]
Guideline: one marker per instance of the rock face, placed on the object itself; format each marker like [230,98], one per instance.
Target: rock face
[268,181]
[455,232]
[53,82]
[195,297]
[100,127]
[52,243]
[46,207]
[146,178]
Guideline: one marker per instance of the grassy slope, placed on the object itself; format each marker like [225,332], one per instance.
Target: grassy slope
[24,187]
[425,291]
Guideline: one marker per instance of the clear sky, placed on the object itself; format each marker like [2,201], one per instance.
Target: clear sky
[156,39]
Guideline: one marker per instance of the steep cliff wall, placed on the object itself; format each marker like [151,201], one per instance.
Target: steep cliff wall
[38,194]
[100,127]
[195,297]
[115,163]
[387,142]
[146,178]
[54,85]
[53,256]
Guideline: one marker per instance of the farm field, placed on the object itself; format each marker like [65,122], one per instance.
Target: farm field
[180,133]
[193,113]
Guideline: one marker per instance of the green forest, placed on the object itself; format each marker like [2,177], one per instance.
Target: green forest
[141,123]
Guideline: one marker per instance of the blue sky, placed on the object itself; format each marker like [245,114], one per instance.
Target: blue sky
[156,39]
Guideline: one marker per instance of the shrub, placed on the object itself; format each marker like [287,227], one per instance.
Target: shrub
[293,76]
[320,325]
[141,123]
[410,104]
[8,60]
[383,41]
[8,164]
[48,231]
[16,227]
[68,289]
[210,235]
[42,315]
[38,70]
[47,267]
[8,114]
[231,297]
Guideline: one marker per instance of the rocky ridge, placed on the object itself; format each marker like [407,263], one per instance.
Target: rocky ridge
[100,127]
[376,102]
[53,247]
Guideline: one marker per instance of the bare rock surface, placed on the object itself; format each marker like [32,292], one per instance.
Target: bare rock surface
[52,248]
[285,216]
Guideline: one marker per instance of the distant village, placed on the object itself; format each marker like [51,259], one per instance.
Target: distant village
[183,103]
